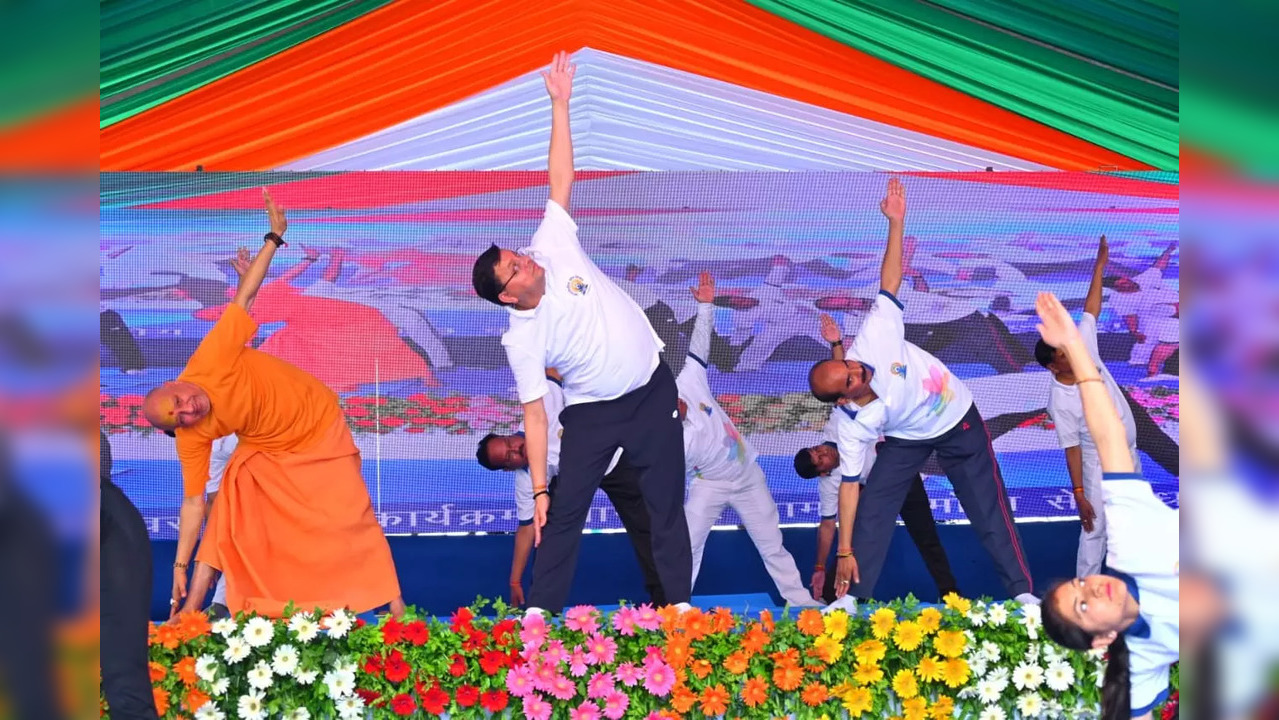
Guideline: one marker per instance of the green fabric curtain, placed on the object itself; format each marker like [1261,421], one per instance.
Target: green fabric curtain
[1126,114]
[156,50]
[46,57]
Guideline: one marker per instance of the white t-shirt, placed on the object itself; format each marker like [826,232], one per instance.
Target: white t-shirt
[713,447]
[585,326]
[918,397]
[828,487]
[554,403]
[1143,547]
[1067,410]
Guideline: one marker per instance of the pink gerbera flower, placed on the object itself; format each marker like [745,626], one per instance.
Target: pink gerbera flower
[577,662]
[629,674]
[653,654]
[659,679]
[554,653]
[562,688]
[601,685]
[586,711]
[647,618]
[543,676]
[533,631]
[535,708]
[624,620]
[581,618]
[520,681]
[601,650]
[615,705]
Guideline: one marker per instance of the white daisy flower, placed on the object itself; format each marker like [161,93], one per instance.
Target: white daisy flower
[209,711]
[990,651]
[1032,620]
[285,660]
[1060,676]
[225,627]
[219,687]
[260,676]
[304,627]
[298,714]
[988,692]
[351,707]
[999,677]
[993,712]
[339,623]
[1028,676]
[977,617]
[236,649]
[967,693]
[346,665]
[252,707]
[1054,709]
[305,677]
[1030,705]
[978,665]
[206,668]
[340,683]
[258,631]
[1096,653]
[997,615]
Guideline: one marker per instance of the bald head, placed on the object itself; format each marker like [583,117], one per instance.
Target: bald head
[838,381]
[176,404]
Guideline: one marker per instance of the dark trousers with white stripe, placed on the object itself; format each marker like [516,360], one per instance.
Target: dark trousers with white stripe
[646,424]
[965,454]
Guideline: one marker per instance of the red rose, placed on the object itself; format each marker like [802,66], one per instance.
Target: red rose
[403,704]
[492,661]
[467,696]
[392,421]
[356,411]
[392,631]
[369,696]
[494,700]
[396,669]
[435,700]
[458,667]
[417,633]
[373,666]
[461,620]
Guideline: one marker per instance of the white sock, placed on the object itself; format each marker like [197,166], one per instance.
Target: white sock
[1027,599]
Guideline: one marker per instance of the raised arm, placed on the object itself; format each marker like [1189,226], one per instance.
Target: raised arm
[252,273]
[1092,303]
[894,208]
[699,346]
[1100,414]
[833,335]
[559,85]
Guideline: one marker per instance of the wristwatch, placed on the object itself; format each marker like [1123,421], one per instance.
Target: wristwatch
[275,238]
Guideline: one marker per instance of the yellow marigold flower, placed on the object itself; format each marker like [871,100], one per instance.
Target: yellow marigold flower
[828,649]
[857,701]
[929,619]
[868,673]
[881,623]
[870,651]
[842,689]
[957,603]
[904,684]
[950,643]
[908,635]
[915,708]
[956,673]
[836,624]
[943,708]
[930,669]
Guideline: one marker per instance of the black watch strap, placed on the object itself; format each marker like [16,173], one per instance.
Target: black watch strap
[275,238]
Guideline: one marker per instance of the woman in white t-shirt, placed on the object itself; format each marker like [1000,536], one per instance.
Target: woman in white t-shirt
[1133,610]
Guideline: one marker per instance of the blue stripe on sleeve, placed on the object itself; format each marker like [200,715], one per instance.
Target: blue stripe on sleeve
[1122,476]
[850,478]
[699,360]
[892,297]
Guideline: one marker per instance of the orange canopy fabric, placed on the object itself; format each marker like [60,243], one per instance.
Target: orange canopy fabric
[414,56]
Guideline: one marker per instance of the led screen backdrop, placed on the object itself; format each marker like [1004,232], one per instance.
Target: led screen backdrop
[373,296]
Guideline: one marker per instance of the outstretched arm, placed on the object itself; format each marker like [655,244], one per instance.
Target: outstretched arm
[1092,304]
[833,335]
[894,208]
[251,277]
[559,85]
[699,345]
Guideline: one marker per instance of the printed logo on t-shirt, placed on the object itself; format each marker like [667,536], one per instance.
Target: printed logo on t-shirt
[733,441]
[577,286]
[898,369]
[706,409]
[937,384]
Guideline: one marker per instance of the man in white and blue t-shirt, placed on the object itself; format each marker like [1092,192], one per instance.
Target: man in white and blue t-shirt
[567,314]
[888,386]
[1067,414]
[620,484]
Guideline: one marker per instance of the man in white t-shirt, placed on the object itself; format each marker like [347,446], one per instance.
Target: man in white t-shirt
[1151,311]
[223,448]
[1067,413]
[620,484]
[721,465]
[567,314]
[887,386]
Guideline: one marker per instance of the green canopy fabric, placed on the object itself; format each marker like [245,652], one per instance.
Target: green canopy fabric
[1122,111]
[156,50]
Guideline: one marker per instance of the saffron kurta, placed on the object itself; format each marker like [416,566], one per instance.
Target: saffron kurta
[293,521]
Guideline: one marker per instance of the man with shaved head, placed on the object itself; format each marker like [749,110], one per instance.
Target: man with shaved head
[304,526]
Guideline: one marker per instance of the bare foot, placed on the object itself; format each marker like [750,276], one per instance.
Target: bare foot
[397,608]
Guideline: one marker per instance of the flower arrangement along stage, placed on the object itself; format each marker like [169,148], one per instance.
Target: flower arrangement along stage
[964,659]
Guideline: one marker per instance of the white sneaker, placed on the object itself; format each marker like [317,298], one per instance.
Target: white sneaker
[683,607]
[1027,599]
[848,604]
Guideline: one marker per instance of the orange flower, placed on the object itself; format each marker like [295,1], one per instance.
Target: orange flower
[766,617]
[670,616]
[167,636]
[195,700]
[737,663]
[185,670]
[702,668]
[755,692]
[668,715]
[787,658]
[157,671]
[696,624]
[192,625]
[810,622]
[723,620]
[787,677]
[755,641]
[161,697]
[683,699]
[678,651]
[714,701]
[815,694]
